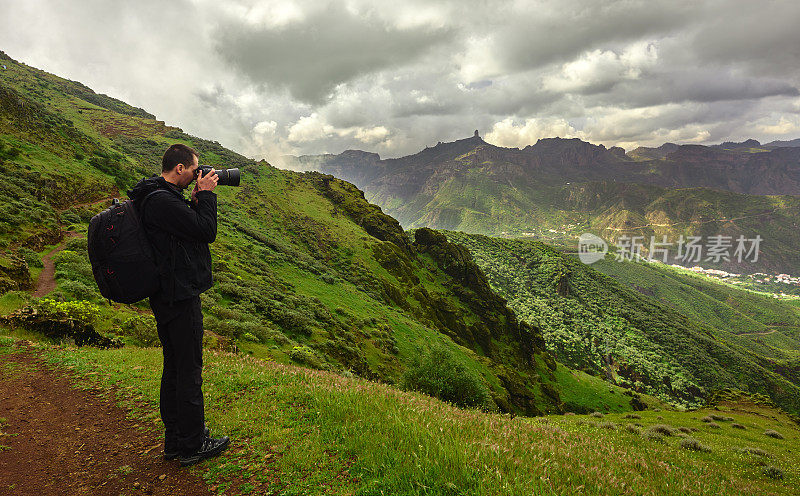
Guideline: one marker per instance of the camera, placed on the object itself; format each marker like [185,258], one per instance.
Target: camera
[227,177]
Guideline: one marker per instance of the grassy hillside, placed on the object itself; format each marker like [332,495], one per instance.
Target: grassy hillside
[307,271]
[657,331]
[299,431]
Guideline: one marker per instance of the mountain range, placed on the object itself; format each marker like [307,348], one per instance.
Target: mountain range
[559,188]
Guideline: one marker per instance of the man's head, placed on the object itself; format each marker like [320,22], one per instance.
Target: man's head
[179,165]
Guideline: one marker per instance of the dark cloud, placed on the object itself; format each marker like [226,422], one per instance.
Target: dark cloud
[311,57]
[307,76]
[560,31]
[763,36]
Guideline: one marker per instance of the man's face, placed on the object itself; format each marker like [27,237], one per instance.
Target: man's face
[189,174]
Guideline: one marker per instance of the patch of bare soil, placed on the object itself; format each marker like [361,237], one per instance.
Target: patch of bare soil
[46,282]
[59,440]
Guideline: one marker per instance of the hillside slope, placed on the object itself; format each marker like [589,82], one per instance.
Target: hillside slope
[300,431]
[655,331]
[307,271]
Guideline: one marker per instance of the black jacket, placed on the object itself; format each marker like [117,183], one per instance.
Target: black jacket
[180,232]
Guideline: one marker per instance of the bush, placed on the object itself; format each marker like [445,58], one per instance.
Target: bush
[755,451]
[632,416]
[653,436]
[596,414]
[608,425]
[666,430]
[31,257]
[714,425]
[772,472]
[773,434]
[693,444]
[307,356]
[738,426]
[81,311]
[442,375]
[143,329]
[79,290]
[633,429]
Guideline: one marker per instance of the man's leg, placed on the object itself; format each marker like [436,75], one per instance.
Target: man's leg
[187,336]
[168,399]
[181,334]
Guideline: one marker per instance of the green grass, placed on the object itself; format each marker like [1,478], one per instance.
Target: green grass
[308,428]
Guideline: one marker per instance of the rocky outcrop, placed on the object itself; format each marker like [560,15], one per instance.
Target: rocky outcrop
[59,327]
[14,274]
[497,320]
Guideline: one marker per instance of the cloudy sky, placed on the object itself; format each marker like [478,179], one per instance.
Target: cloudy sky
[267,78]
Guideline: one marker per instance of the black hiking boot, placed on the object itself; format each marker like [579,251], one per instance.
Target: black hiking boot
[211,447]
[171,452]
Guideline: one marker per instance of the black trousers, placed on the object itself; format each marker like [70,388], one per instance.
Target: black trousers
[180,329]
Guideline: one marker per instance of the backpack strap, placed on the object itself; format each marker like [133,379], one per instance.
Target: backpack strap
[142,202]
[172,239]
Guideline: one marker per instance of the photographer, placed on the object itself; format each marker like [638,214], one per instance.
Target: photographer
[180,232]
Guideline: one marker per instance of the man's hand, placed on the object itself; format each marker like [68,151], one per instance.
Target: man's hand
[206,183]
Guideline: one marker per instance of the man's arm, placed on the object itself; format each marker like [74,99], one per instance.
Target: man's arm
[175,216]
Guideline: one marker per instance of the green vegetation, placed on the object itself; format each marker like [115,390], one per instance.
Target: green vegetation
[650,328]
[307,271]
[312,429]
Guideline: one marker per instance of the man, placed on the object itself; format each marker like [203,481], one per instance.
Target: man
[180,232]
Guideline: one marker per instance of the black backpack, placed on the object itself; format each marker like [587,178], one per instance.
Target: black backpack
[123,263]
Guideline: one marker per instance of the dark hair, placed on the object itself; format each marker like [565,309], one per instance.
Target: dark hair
[177,154]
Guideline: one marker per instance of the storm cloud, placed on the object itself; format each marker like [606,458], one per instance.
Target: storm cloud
[272,77]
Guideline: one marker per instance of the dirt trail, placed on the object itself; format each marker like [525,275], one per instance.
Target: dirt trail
[46,282]
[58,440]
[757,333]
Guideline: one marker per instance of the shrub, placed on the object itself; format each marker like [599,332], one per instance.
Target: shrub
[596,415]
[738,426]
[666,430]
[714,425]
[632,416]
[707,418]
[143,329]
[78,245]
[653,436]
[773,434]
[693,444]
[307,356]
[442,375]
[772,472]
[79,290]
[685,430]
[634,429]
[31,257]
[755,451]
[82,311]
[608,425]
